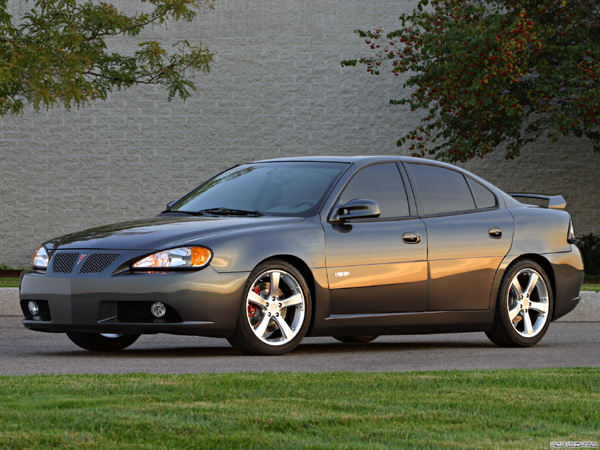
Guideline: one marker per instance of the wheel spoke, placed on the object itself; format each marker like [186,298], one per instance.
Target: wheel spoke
[262,326]
[285,329]
[528,325]
[294,300]
[517,287]
[533,279]
[253,297]
[514,312]
[539,306]
[274,278]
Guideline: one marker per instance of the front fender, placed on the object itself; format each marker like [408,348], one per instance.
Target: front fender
[241,251]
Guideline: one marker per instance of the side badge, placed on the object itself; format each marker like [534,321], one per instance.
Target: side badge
[341,274]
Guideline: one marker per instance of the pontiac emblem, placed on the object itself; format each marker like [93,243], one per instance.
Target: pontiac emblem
[81,258]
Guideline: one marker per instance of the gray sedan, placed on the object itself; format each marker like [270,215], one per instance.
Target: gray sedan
[268,252]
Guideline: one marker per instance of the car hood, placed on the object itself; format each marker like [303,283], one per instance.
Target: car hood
[161,232]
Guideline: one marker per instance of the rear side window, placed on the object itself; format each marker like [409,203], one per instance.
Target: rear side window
[484,198]
[382,183]
[441,190]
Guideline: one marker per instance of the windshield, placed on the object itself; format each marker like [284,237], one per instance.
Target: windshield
[277,188]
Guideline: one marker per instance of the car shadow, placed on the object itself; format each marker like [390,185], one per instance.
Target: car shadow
[389,346]
[313,349]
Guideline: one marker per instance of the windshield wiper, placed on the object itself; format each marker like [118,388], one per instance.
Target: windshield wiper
[178,211]
[230,212]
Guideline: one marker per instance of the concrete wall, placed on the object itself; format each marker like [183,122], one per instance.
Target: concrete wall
[276,89]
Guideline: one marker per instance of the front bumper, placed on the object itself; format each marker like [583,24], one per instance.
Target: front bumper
[203,303]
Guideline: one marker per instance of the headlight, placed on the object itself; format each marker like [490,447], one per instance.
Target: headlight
[40,258]
[176,258]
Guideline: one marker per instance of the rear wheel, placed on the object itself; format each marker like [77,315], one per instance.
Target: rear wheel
[102,342]
[275,310]
[355,339]
[524,306]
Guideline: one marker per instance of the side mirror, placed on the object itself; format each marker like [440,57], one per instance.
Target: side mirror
[359,208]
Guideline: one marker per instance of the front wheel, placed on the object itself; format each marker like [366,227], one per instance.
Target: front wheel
[275,310]
[524,306]
[102,342]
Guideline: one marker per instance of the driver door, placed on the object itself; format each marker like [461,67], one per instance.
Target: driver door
[377,265]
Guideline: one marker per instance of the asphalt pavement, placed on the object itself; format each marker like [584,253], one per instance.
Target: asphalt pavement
[27,352]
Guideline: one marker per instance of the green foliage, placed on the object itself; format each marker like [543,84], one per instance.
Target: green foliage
[495,409]
[59,52]
[494,73]
[589,246]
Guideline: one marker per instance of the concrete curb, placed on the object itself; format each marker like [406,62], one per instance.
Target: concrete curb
[588,309]
[9,302]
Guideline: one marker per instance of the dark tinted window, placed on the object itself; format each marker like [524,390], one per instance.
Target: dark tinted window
[382,183]
[484,198]
[441,190]
[278,188]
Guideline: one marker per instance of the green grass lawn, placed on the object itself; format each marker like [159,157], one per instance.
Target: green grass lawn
[504,409]
[9,282]
[595,287]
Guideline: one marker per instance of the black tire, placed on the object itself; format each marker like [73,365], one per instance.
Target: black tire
[524,306]
[355,339]
[275,310]
[102,342]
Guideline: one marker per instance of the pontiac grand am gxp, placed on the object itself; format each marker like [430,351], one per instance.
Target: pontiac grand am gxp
[266,253]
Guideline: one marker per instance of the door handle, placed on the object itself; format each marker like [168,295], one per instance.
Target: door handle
[495,232]
[411,238]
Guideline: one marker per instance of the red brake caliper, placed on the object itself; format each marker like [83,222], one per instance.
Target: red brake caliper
[252,309]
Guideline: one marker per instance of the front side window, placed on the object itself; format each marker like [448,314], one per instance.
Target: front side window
[277,188]
[441,190]
[382,183]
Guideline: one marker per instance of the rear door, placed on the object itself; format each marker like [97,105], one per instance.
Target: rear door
[468,236]
[377,265]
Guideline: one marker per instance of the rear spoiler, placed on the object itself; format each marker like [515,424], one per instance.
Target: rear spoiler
[554,201]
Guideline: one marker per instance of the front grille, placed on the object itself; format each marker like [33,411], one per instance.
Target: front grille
[98,262]
[64,262]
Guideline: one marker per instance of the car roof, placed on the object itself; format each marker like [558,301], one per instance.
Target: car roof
[348,159]
[364,160]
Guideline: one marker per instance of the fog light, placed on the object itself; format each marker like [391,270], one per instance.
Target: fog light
[158,310]
[34,309]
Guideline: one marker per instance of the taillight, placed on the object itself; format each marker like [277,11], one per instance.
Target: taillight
[571,235]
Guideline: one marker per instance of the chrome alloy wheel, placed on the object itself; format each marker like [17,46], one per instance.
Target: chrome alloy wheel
[528,303]
[275,307]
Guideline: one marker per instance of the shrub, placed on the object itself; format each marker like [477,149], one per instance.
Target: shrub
[589,245]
